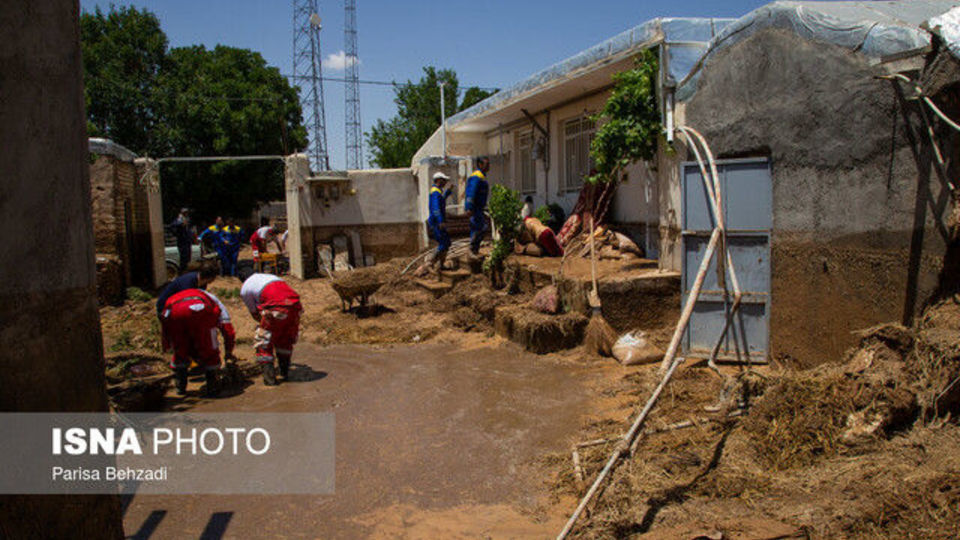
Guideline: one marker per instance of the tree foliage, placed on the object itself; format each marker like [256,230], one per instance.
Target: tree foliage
[201,120]
[630,120]
[123,53]
[190,101]
[393,142]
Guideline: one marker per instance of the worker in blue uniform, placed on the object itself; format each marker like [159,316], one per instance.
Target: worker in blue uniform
[210,237]
[230,238]
[475,202]
[438,222]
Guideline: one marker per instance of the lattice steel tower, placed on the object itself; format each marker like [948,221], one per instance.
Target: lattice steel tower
[307,74]
[352,90]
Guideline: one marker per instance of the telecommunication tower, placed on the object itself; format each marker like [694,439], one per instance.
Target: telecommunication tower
[352,90]
[307,74]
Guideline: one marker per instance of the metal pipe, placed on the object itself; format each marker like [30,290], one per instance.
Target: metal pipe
[624,446]
[216,158]
[443,118]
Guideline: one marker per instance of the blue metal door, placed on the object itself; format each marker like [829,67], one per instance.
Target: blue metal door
[748,200]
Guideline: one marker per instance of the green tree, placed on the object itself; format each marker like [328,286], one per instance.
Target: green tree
[224,102]
[123,54]
[630,120]
[393,142]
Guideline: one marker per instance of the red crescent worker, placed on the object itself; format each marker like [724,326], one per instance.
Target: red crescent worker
[277,308]
[261,238]
[190,321]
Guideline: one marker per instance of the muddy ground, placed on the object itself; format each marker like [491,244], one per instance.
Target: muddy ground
[446,430]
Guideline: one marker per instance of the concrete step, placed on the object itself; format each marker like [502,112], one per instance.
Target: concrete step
[452,277]
[434,287]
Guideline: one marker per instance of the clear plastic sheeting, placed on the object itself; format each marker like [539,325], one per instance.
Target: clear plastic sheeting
[684,39]
[876,29]
[110,148]
[947,26]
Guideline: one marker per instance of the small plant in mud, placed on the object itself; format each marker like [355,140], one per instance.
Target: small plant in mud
[543,214]
[138,295]
[124,341]
[153,335]
[226,294]
[505,206]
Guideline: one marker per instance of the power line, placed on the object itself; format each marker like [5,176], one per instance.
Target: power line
[389,83]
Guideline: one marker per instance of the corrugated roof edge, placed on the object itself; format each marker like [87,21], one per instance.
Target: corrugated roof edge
[878,34]
[641,36]
[110,148]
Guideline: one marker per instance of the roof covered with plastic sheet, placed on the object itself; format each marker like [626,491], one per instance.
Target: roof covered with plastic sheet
[684,39]
[878,30]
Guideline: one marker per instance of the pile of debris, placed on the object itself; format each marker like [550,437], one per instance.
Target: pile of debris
[609,244]
[873,436]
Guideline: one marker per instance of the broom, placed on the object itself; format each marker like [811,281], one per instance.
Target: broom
[600,336]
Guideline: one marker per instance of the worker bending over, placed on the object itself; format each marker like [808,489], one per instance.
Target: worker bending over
[190,280]
[190,320]
[261,239]
[475,202]
[276,307]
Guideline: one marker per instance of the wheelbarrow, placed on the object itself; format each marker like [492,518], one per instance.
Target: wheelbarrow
[352,288]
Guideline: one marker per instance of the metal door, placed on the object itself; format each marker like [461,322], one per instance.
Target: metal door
[748,200]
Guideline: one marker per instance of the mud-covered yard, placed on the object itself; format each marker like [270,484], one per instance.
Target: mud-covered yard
[446,429]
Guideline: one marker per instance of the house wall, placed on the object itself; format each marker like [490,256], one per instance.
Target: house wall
[382,206]
[636,206]
[52,360]
[859,214]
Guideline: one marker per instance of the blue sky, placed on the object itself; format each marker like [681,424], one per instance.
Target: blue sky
[488,43]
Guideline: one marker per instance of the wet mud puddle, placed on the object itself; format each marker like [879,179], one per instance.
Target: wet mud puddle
[432,441]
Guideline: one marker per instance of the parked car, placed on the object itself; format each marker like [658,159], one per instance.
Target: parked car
[172,257]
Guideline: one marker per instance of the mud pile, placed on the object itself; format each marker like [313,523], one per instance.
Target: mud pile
[865,448]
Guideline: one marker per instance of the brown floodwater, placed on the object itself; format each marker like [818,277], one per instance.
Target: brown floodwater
[431,441]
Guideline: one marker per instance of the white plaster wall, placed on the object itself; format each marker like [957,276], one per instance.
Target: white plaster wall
[382,196]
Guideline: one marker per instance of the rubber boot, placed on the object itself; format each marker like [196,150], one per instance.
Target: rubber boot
[180,380]
[213,384]
[269,375]
[283,363]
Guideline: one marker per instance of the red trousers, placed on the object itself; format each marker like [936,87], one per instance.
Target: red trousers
[258,245]
[279,322]
[190,322]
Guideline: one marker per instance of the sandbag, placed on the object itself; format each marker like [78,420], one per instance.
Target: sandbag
[625,244]
[547,300]
[635,348]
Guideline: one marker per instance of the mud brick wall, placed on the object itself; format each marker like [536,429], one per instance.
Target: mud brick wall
[111,193]
[121,219]
[860,217]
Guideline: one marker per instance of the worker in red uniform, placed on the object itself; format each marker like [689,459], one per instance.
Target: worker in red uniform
[276,306]
[190,321]
[262,237]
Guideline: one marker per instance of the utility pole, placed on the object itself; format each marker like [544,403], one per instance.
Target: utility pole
[443,118]
[352,90]
[307,75]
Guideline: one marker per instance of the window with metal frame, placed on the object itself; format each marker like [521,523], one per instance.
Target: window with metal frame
[526,174]
[577,135]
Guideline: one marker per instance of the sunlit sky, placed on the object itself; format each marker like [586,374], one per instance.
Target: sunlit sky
[488,43]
